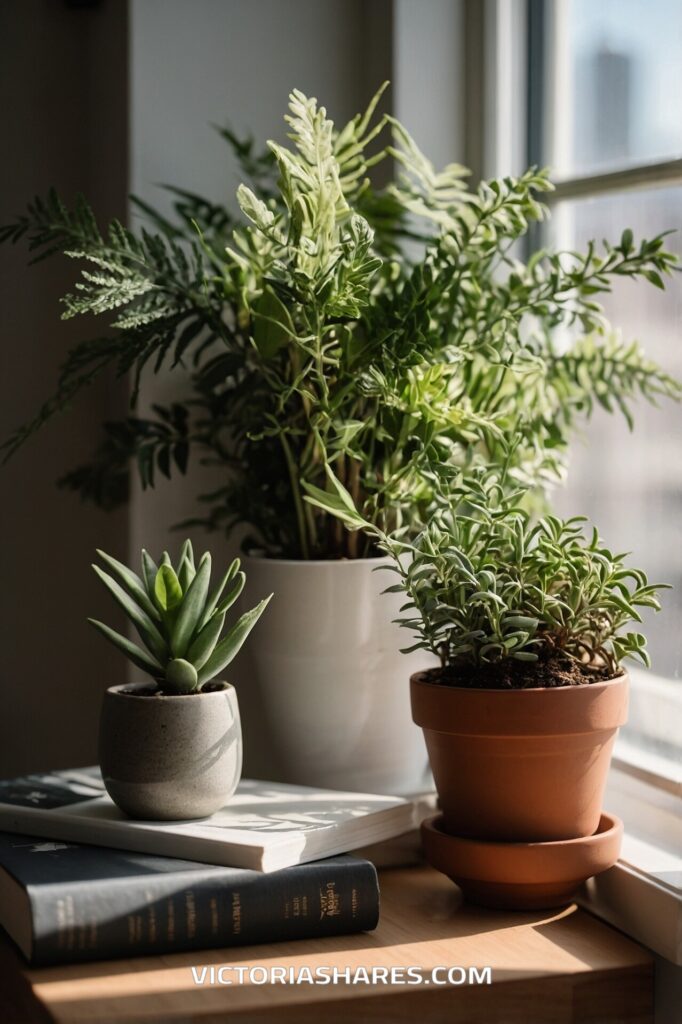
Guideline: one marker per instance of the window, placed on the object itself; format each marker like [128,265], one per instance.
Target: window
[592,89]
[603,85]
[613,77]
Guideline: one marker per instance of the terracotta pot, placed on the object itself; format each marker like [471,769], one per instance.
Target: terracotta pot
[520,765]
[522,876]
[170,758]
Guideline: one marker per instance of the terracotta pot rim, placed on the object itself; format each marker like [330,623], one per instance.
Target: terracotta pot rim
[415,680]
[536,711]
[118,691]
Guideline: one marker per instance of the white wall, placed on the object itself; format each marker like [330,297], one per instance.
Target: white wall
[428,75]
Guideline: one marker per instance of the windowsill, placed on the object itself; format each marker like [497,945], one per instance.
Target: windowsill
[536,959]
[653,769]
[642,894]
[650,743]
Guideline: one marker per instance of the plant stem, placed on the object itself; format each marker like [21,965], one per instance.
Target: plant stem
[354,488]
[339,531]
[296,494]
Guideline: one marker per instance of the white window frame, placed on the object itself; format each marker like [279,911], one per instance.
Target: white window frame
[644,789]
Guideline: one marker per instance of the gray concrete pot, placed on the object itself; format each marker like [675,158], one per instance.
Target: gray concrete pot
[170,758]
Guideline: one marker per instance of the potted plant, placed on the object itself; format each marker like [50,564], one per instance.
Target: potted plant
[528,618]
[172,748]
[368,328]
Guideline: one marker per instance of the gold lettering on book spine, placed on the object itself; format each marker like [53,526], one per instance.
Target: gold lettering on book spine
[236,913]
[215,915]
[330,901]
[191,914]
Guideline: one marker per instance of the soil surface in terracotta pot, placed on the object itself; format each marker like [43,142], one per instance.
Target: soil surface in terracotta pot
[519,763]
[545,673]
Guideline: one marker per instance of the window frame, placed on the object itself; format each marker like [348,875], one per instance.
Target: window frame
[511,37]
[541,24]
[512,77]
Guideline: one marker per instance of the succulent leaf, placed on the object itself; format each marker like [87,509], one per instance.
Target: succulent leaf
[141,658]
[167,589]
[132,583]
[149,571]
[191,609]
[234,593]
[181,676]
[145,627]
[186,552]
[230,645]
[216,595]
[186,573]
[204,642]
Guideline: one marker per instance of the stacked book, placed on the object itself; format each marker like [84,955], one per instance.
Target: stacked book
[80,881]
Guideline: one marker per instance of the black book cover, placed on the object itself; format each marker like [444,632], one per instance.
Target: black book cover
[95,903]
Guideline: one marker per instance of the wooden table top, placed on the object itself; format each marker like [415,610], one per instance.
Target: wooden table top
[547,967]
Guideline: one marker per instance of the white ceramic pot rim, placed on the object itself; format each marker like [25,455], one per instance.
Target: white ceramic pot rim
[314,562]
[120,691]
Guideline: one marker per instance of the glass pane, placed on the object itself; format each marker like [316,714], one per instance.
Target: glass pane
[614,74]
[630,483]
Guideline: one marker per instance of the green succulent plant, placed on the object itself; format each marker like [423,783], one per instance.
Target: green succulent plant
[179,619]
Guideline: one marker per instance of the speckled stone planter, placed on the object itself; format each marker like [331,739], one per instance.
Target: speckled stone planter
[170,758]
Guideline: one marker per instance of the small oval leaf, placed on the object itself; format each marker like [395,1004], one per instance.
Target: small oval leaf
[167,589]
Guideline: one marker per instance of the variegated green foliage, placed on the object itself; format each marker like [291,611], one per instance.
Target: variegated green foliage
[178,617]
[485,582]
[382,330]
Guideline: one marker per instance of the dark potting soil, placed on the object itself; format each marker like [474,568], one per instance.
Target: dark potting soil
[518,675]
[158,692]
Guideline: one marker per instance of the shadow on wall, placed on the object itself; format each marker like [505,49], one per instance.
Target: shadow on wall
[63,81]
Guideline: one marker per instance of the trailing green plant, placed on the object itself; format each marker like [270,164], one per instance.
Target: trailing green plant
[487,584]
[377,329]
[178,617]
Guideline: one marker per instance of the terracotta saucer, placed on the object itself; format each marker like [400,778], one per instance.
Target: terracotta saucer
[521,876]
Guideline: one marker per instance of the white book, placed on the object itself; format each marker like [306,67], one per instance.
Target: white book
[265,825]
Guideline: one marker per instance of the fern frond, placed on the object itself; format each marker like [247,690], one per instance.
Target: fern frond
[162,444]
[608,372]
[351,144]
[421,189]
[51,227]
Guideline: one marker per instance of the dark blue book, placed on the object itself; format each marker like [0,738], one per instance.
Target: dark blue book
[62,902]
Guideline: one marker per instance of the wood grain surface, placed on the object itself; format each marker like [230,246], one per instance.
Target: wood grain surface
[548,967]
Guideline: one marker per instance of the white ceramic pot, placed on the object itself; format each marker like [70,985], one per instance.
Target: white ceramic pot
[331,679]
